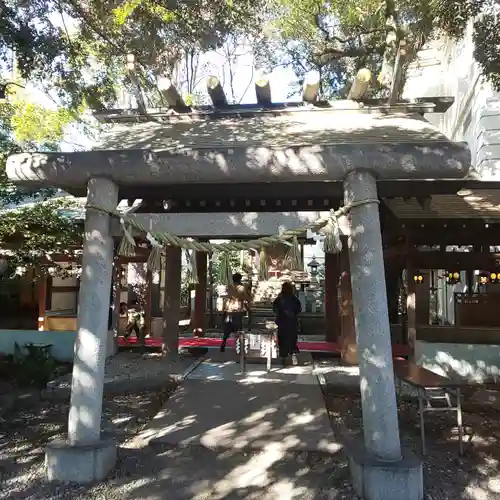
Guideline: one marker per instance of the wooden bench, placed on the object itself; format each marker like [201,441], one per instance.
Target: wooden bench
[430,387]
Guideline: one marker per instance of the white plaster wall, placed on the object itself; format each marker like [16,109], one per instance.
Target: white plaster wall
[427,75]
[447,68]
[63,301]
[70,281]
[476,363]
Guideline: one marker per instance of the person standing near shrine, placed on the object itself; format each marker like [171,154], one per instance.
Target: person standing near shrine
[287,308]
[236,305]
[135,321]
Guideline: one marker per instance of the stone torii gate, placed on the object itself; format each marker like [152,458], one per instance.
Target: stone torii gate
[346,148]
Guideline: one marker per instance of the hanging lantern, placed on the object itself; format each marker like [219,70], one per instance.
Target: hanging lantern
[418,278]
[453,277]
[484,278]
[495,277]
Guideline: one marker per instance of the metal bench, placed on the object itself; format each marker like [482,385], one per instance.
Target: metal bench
[431,388]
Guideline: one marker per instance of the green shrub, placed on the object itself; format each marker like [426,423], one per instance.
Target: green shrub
[34,365]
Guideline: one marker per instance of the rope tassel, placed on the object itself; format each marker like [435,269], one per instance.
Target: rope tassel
[126,248]
[155,255]
[155,259]
[263,270]
[225,273]
[332,242]
[294,257]
[192,273]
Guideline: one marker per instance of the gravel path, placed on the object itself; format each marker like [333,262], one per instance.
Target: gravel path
[133,366]
[195,473]
[154,473]
[475,476]
[23,436]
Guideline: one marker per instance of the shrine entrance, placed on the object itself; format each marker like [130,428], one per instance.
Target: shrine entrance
[199,172]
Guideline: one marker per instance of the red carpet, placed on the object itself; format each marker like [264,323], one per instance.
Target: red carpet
[331,347]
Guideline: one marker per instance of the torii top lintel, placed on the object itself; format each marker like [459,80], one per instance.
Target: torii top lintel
[302,145]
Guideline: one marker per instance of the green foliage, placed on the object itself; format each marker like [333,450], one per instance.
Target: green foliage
[33,366]
[32,232]
[45,225]
[33,124]
[487,47]
[454,16]
[80,48]
[234,261]
[339,37]
[124,11]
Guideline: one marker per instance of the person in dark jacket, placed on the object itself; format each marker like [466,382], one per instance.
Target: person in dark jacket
[287,308]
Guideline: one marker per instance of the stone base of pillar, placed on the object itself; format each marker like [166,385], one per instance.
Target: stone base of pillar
[80,463]
[374,479]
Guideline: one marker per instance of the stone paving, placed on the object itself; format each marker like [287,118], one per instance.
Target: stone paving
[218,406]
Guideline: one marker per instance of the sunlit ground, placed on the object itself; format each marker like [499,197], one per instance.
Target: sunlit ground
[475,476]
[198,473]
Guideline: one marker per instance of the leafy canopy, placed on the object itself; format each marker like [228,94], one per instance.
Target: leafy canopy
[81,46]
[338,37]
[77,50]
[42,226]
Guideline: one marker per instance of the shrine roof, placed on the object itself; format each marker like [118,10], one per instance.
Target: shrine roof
[481,204]
[299,127]
[301,145]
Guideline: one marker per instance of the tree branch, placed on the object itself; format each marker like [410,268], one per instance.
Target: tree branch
[248,86]
[330,54]
[334,38]
[391,44]
[85,17]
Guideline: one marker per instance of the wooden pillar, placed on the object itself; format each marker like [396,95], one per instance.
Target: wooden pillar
[348,344]
[422,300]
[42,301]
[200,298]
[172,302]
[332,319]
[411,302]
[211,289]
[116,286]
[26,289]
[148,306]
[469,281]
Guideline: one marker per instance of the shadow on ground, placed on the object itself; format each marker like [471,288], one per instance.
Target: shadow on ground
[194,472]
[474,476]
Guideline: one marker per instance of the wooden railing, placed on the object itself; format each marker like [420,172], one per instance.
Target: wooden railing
[477,310]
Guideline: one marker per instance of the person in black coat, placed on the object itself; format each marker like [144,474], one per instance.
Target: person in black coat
[287,308]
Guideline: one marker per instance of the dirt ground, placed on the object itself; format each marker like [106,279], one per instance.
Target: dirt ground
[24,433]
[447,475]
